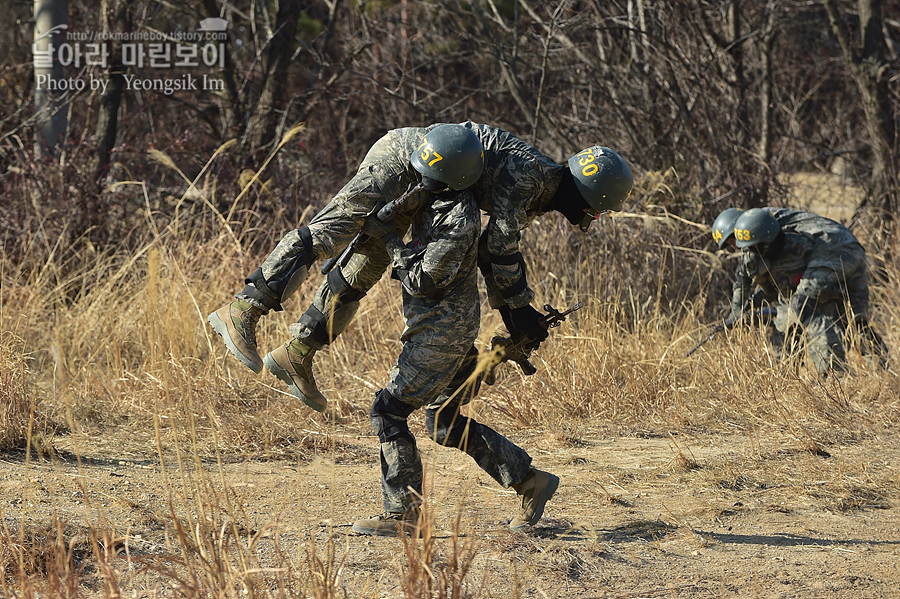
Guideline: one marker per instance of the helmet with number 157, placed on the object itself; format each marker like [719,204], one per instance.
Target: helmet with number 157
[449,156]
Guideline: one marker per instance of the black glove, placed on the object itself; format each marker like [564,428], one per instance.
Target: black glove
[524,324]
[378,229]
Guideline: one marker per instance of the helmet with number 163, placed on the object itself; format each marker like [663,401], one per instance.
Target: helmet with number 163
[755,226]
[602,177]
[451,155]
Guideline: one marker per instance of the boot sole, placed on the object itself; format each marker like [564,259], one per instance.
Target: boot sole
[221,328]
[284,375]
[543,498]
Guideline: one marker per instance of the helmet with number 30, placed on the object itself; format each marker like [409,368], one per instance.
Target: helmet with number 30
[449,154]
[755,226]
[602,177]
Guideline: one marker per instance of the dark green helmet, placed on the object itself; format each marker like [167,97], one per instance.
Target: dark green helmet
[755,226]
[723,226]
[602,177]
[451,154]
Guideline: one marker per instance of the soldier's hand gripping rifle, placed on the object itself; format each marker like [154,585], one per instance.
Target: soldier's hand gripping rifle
[764,315]
[384,213]
[504,349]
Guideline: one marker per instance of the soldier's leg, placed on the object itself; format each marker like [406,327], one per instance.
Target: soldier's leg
[280,276]
[503,460]
[337,299]
[500,458]
[401,465]
[871,344]
[334,307]
[787,338]
[287,266]
[824,344]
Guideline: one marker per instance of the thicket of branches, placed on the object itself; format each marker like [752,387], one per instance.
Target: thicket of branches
[718,99]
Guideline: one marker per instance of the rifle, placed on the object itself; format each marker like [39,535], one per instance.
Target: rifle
[504,349]
[383,212]
[760,315]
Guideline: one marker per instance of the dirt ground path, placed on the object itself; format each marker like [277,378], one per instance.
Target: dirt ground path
[674,516]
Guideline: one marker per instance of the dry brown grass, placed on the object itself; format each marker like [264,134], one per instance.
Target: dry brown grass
[116,345]
[15,405]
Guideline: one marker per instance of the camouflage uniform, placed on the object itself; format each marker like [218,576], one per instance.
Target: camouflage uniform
[384,174]
[822,261]
[442,311]
[517,184]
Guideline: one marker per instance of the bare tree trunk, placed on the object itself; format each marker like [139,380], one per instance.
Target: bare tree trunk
[280,47]
[230,102]
[111,99]
[868,67]
[765,87]
[50,23]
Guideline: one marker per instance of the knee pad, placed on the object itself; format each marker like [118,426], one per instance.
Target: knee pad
[388,416]
[325,327]
[284,270]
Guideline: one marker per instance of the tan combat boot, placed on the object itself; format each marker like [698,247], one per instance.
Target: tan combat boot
[536,490]
[389,524]
[236,323]
[292,363]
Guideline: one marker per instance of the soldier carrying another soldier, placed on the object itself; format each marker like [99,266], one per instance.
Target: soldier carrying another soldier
[514,184]
[438,365]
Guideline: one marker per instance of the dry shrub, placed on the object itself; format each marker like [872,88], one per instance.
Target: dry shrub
[130,341]
[21,408]
[49,559]
[433,573]
[15,404]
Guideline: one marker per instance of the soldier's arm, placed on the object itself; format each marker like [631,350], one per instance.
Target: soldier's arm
[503,253]
[741,291]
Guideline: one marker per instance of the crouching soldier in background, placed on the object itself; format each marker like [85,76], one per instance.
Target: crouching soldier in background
[814,270]
[438,368]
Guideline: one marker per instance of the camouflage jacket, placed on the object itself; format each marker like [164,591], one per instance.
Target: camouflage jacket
[440,285]
[444,245]
[517,184]
[819,259]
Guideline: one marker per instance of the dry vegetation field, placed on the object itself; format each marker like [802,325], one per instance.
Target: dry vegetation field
[139,459]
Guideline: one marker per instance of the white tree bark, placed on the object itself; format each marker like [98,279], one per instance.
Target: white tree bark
[51,117]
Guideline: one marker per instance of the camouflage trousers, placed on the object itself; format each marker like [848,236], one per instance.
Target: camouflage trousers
[438,369]
[823,336]
[401,464]
[379,179]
